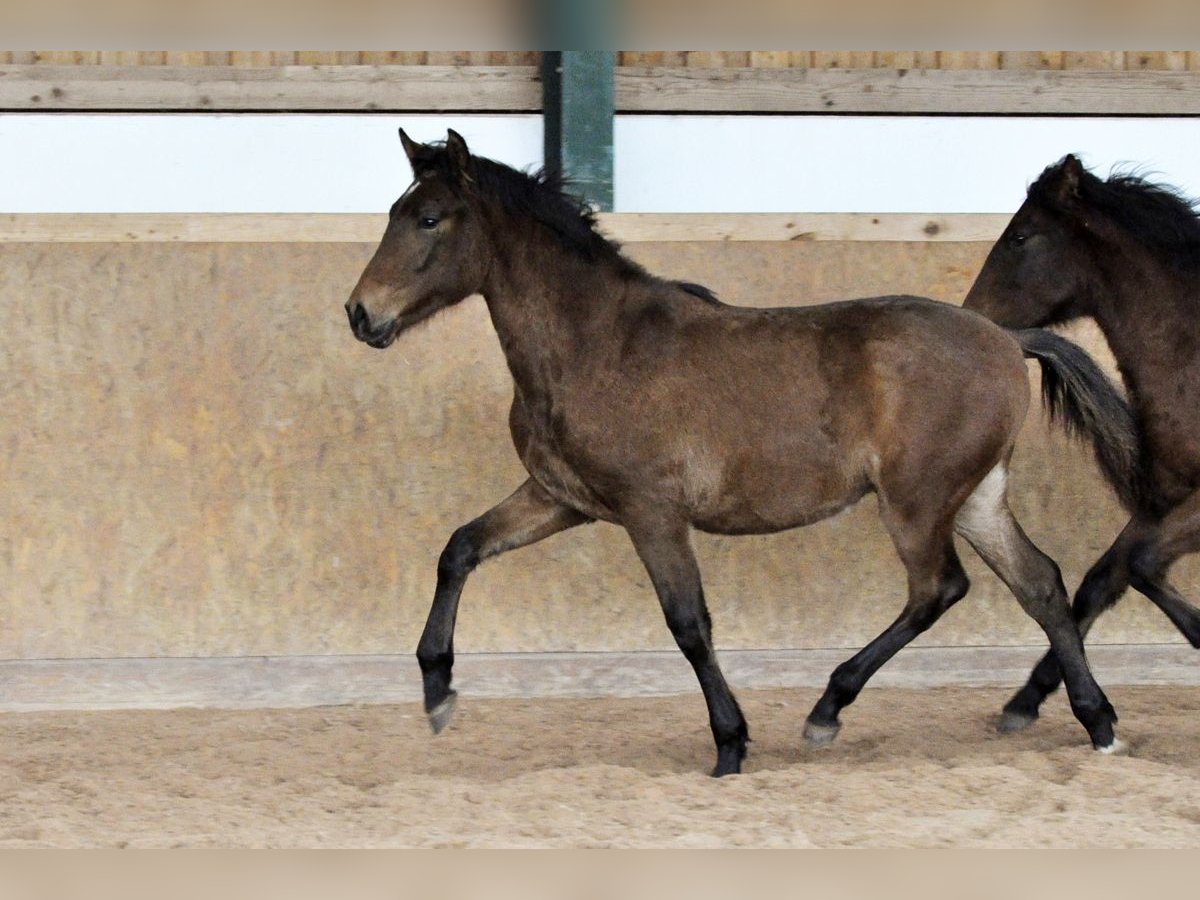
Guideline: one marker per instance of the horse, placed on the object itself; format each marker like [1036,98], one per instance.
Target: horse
[1126,252]
[650,404]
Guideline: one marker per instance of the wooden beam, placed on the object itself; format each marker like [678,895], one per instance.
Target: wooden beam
[645,89]
[633,227]
[274,88]
[908,91]
[367,227]
[300,681]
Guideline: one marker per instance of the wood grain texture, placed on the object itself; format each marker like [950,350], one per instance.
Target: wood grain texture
[1165,60]
[624,227]
[326,85]
[905,91]
[320,86]
[199,460]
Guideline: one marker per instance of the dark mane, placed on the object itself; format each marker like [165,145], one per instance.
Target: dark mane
[543,197]
[1158,215]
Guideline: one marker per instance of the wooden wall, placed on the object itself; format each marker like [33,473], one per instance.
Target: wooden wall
[1122,60]
[199,461]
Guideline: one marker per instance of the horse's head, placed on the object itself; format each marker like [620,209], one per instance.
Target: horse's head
[1041,269]
[434,251]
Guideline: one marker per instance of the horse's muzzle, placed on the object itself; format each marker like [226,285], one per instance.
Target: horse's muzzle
[360,324]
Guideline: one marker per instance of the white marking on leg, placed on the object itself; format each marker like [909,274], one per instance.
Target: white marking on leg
[1117,748]
[985,517]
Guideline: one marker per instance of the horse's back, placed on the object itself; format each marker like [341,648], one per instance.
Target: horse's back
[925,348]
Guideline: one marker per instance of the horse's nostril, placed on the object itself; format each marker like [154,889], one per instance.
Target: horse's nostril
[357,315]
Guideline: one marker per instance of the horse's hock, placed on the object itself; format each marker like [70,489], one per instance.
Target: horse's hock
[199,461]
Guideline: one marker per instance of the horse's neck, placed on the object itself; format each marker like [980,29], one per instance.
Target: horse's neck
[549,310]
[1142,308]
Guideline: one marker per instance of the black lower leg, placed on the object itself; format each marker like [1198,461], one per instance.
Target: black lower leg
[1048,607]
[1023,707]
[1088,702]
[1102,587]
[1148,575]
[850,677]
[526,516]
[435,652]
[665,550]
[845,684]
[729,731]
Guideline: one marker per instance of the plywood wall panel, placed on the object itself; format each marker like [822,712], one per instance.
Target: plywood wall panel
[198,460]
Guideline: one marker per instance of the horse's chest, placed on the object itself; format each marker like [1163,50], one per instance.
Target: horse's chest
[564,481]
[563,475]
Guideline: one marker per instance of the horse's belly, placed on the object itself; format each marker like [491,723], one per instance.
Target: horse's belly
[787,506]
[760,495]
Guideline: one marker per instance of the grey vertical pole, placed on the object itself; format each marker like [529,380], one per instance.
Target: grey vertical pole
[577,90]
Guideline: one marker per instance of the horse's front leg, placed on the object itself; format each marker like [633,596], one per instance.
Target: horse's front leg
[1177,535]
[527,516]
[1140,556]
[666,552]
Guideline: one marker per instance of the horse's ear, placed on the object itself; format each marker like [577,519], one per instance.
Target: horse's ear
[411,148]
[1070,176]
[460,156]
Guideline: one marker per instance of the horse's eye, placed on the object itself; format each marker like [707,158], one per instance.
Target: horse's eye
[428,222]
[1017,238]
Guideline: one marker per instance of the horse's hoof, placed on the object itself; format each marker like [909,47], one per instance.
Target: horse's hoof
[729,761]
[1012,722]
[440,715]
[820,735]
[1117,748]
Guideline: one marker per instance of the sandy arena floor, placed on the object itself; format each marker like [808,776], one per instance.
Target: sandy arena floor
[910,769]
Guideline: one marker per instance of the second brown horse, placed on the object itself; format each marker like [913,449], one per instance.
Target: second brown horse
[1126,252]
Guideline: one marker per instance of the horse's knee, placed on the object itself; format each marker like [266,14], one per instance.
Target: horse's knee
[1091,592]
[461,554]
[1144,566]
[691,630]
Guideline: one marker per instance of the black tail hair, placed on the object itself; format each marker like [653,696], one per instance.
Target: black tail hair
[1077,393]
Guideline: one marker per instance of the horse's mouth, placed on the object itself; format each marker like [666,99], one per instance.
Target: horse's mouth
[382,340]
[382,336]
[379,338]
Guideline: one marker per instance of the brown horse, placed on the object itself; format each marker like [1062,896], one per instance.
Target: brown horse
[650,404]
[1126,252]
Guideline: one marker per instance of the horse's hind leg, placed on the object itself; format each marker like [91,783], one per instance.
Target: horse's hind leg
[528,515]
[666,552]
[986,522]
[1104,584]
[936,581]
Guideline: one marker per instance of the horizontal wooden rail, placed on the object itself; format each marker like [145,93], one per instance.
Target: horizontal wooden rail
[664,89]
[272,88]
[625,227]
[908,91]
[299,681]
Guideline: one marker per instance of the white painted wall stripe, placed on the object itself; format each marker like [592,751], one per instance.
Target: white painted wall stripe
[245,163]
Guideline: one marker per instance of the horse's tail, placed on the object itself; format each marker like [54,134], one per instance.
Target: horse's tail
[1077,393]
